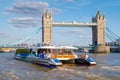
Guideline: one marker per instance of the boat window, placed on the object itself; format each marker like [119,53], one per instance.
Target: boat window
[55,51]
[41,51]
[68,51]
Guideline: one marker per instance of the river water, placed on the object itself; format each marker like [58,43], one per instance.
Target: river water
[107,68]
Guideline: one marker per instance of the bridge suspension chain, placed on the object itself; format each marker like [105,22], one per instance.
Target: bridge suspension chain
[114,38]
[110,37]
[28,38]
[112,33]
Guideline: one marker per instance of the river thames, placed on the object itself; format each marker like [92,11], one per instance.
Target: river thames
[107,68]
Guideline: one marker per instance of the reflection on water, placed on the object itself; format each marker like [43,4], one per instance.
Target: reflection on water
[107,68]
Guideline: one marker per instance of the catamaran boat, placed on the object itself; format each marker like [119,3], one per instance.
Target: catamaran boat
[51,55]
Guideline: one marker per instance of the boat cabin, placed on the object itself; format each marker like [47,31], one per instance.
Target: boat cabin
[61,53]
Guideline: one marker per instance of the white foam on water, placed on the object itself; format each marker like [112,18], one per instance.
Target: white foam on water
[11,76]
[81,73]
[86,74]
[112,68]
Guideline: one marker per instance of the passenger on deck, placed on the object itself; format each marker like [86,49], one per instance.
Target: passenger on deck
[32,51]
[86,56]
[41,55]
[83,56]
[47,54]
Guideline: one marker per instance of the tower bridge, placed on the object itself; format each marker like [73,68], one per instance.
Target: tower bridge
[98,26]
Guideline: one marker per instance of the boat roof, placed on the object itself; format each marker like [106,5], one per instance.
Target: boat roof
[49,47]
[68,47]
[56,47]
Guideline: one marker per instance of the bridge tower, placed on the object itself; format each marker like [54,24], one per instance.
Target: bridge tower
[99,33]
[47,27]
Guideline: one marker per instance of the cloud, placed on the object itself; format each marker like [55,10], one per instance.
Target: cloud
[70,0]
[55,11]
[3,35]
[77,5]
[75,31]
[32,8]
[80,31]
[25,22]
[84,36]
[85,2]
[112,3]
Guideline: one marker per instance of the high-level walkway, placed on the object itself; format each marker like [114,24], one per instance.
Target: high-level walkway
[75,24]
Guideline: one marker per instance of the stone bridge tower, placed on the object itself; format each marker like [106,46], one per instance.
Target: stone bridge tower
[47,28]
[99,33]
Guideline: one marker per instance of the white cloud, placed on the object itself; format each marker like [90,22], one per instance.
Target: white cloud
[55,10]
[77,5]
[70,0]
[25,22]
[32,8]
[3,35]
[84,36]
[76,31]
[85,2]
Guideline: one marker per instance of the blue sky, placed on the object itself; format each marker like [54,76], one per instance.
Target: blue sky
[20,18]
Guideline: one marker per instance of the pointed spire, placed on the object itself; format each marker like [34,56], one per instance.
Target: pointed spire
[103,16]
[98,13]
[46,11]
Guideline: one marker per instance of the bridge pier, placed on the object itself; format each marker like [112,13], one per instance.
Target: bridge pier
[101,49]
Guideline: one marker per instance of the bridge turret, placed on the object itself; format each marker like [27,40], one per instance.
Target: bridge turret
[99,30]
[104,17]
[47,27]
[98,14]
[98,33]
[47,15]
[99,17]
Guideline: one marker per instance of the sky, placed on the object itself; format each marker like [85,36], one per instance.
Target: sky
[21,18]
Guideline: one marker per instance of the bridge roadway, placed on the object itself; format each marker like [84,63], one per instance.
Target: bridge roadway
[75,24]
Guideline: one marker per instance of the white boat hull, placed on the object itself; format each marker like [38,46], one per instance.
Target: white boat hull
[37,60]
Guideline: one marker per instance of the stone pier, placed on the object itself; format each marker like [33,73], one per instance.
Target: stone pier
[102,49]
